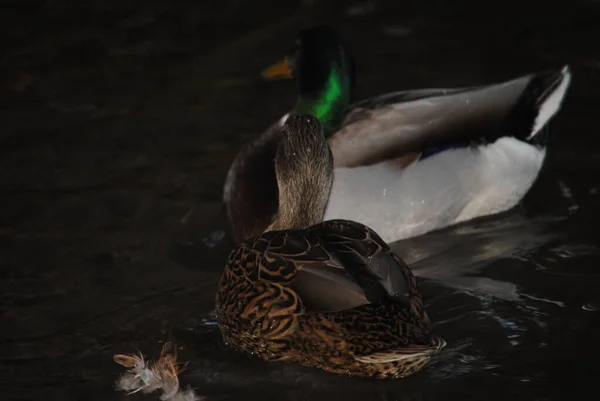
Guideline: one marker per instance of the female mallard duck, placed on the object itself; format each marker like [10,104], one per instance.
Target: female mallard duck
[421,160]
[330,295]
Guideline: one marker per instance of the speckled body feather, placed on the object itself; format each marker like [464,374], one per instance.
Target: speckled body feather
[333,296]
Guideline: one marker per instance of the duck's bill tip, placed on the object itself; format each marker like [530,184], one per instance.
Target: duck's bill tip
[280,70]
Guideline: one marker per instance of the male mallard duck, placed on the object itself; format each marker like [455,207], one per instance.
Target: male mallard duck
[406,162]
[330,295]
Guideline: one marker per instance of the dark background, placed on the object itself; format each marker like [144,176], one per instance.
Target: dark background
[121,118]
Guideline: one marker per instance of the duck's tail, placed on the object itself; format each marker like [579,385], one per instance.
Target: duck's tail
[409,352]
[539,102]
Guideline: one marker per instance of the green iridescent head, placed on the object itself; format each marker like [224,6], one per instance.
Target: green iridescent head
[324,74]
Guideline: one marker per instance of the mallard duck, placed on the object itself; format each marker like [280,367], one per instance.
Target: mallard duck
[330,295]
[406,162]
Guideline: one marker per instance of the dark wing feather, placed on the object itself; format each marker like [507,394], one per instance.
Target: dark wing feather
[339,265]
[368,259]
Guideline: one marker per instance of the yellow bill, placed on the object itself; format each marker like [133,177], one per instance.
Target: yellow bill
[279,70]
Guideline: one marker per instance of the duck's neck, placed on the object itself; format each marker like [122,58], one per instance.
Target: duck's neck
[329,104]
[301,209]
[304,170]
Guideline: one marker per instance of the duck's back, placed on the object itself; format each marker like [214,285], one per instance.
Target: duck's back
[333,296]
[332,266]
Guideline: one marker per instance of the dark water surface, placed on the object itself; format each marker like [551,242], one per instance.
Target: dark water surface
[119,122]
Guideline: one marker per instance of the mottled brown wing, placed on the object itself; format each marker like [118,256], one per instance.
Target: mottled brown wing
[297,259]
[333,266]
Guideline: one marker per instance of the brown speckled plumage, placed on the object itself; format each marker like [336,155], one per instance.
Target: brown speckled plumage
[330,295]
